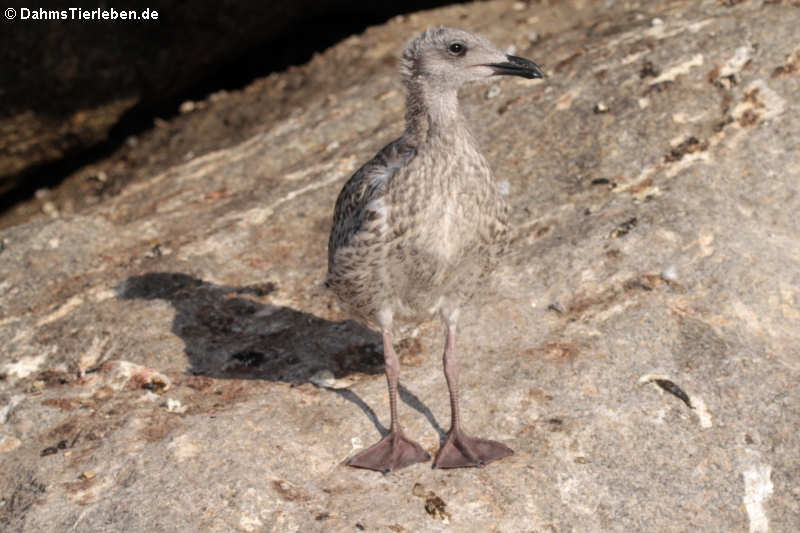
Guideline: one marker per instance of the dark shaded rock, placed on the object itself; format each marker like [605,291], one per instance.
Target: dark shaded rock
[71,81]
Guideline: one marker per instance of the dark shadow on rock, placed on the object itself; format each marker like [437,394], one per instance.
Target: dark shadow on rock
[408,397]
[229,334]
[351,396]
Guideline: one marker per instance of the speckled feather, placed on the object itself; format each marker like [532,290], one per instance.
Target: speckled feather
[418,227]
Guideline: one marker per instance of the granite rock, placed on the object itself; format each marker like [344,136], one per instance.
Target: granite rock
[171,362]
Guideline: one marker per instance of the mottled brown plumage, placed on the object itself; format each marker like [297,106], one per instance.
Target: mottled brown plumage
[418,227]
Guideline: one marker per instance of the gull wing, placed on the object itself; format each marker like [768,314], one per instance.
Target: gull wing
[358,202]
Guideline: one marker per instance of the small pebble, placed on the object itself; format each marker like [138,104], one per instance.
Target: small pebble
[323,378]
[49,208]
[503,187]
[8,444]
[670,273]
[174,406]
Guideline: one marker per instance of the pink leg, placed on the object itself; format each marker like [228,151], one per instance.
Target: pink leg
[460,449]
[395,450]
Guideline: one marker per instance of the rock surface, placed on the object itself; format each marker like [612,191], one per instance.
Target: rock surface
[68,79]
[170,361]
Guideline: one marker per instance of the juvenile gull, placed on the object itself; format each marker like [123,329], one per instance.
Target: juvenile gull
[417,228]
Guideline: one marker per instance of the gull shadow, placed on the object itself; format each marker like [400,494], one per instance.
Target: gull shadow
[410,399]
[229,333]
[351,396]
[407,397]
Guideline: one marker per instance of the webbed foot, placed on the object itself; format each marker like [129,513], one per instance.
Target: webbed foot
[392,452]
[461,450]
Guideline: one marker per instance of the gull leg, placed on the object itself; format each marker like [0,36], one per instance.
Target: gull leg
[395,450]
[460,449]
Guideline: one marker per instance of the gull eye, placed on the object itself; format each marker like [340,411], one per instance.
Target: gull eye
[457,49]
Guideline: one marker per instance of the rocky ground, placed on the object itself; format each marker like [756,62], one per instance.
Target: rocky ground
[171,362]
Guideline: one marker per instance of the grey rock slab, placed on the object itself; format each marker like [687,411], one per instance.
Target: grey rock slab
[639,350]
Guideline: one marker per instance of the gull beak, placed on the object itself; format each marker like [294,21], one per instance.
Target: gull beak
[517,66]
